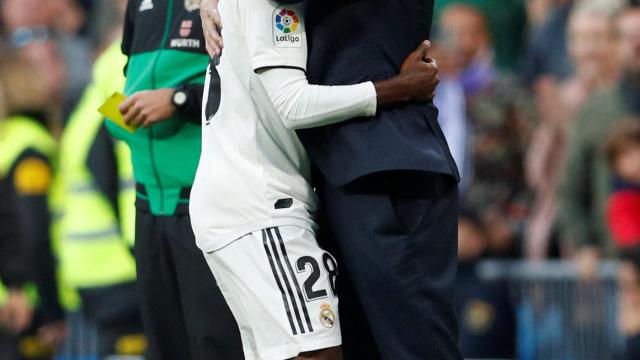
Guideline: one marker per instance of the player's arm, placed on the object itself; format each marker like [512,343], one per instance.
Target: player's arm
[277,45]
[301,105]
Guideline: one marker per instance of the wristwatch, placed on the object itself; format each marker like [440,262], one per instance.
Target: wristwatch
[179,98]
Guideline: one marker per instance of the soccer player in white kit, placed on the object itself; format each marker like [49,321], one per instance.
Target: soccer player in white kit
[252,204]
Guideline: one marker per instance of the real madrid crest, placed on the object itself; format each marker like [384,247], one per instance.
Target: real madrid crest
[327,316]
[192,5]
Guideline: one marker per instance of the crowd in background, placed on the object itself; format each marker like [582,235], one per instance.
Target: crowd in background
[539,118]
[539,101]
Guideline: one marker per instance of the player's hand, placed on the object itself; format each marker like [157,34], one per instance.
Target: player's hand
[421,73]
[211,25]
[147,107]
[16,314]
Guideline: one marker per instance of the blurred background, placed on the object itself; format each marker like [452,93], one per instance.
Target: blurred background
[539,101]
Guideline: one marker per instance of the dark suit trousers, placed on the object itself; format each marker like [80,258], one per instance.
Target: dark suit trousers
[395,235]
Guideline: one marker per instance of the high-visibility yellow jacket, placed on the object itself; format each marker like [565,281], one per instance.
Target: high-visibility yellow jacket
[94,238]
[17,135]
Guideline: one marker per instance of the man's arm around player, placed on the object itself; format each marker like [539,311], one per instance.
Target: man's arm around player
[416,82]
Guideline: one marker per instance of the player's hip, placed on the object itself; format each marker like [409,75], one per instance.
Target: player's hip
[218,230]
[281,287]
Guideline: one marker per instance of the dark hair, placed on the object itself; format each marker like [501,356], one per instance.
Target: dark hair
[631,254]
[624,134]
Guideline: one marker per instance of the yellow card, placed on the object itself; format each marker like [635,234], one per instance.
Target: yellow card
[110,110]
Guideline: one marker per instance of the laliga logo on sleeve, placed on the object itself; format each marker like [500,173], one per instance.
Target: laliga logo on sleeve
[287,21]
[287,31]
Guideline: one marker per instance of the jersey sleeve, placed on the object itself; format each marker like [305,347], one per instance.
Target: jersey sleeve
[275,34]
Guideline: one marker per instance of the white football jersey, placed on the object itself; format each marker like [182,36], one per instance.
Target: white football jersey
[254,173]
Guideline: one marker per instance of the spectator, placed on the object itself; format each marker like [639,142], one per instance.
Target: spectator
[623,210]
[585,187]
[499,114]
[592,40]
[538,11]
[63,58]
[450,101]
[485,314]
[546,53]
[95,177]
[506,21]
[26,153]
[623,219]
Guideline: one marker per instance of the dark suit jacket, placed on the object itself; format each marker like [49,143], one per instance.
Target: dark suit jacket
[351,41]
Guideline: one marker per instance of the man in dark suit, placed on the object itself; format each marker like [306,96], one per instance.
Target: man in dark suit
[388,184]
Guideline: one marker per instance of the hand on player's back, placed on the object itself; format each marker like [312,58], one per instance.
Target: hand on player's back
[421,73]
[416,82]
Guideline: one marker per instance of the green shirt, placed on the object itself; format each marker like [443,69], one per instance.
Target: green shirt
[165,48]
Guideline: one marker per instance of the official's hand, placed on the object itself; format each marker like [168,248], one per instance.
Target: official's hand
[211,25]
[16,314]
[421,73]
[147,107]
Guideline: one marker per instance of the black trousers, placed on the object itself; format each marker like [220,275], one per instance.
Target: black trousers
[8,346]
[183,312]
[395,235]
[114,311]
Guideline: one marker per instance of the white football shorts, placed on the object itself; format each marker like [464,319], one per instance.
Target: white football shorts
[280,287]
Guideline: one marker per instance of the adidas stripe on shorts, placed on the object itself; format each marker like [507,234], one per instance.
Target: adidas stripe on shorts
[280,286]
